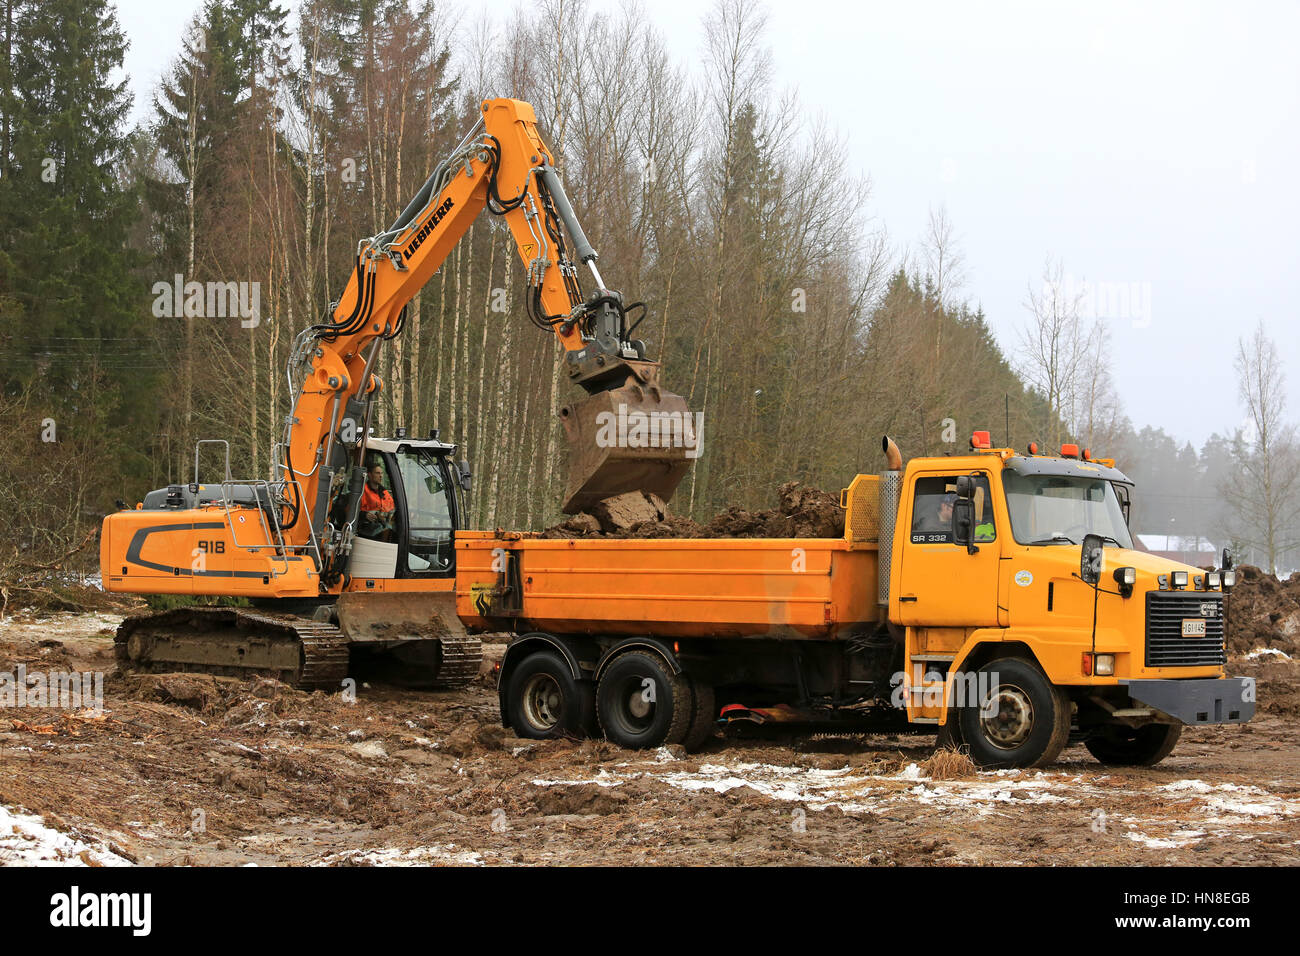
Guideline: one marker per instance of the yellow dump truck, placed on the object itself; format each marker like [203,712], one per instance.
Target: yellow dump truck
[995,598]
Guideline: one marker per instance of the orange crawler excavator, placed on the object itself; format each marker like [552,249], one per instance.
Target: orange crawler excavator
[348,546]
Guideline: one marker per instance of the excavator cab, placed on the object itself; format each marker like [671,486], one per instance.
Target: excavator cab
[409,511]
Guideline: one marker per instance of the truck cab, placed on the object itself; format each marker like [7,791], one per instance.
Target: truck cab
[1022,566]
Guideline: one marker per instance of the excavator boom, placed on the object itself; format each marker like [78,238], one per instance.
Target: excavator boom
[503,165]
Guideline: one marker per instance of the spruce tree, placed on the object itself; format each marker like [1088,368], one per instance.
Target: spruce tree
[74,318]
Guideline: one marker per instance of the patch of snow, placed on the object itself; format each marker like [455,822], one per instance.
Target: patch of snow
[25,840]
[1243,809]
[433,855]
[1259,652]
[370,748]
[603,779]
[1155,843]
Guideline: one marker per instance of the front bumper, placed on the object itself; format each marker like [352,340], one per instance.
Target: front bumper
[1213,700]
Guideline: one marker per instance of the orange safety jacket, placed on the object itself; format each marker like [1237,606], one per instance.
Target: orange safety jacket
[376,501]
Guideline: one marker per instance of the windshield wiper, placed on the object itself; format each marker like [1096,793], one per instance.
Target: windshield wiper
[1054,539]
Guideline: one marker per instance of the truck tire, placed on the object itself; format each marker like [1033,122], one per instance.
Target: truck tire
[1118,746]
[641,703]
[545,701]
[704,715]
[1032,723]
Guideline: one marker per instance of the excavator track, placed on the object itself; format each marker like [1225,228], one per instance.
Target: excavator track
[459,662]
[231,641]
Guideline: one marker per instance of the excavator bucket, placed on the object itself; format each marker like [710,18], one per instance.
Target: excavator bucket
[637,437]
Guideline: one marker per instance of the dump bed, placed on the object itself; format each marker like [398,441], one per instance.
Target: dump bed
[815,588]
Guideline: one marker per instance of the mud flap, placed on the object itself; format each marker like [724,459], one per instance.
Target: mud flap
[637,437]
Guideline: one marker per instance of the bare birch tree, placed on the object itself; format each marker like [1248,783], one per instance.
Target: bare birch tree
[1264,496]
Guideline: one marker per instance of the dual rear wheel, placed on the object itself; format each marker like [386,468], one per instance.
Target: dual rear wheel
[639,702]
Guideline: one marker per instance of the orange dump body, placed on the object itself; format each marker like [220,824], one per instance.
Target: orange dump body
[813,588]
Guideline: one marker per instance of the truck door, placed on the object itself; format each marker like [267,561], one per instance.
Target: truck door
[940,583]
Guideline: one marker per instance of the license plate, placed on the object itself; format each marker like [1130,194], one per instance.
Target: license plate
[1194,627]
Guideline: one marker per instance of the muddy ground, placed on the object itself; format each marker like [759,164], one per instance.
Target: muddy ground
[187,770]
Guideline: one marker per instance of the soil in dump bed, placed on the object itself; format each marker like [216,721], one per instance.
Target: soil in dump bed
[1263,612]
[801,512]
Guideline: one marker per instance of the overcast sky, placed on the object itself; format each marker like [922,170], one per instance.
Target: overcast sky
[1153,148]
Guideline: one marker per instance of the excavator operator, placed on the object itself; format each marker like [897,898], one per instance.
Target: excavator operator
[376,506]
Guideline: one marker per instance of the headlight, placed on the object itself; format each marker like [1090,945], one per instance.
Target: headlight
[1126,578]
[1105,665]
[1229,579]
[1178,579]
[1212,580]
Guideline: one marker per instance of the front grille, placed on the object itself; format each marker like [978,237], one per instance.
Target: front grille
[1166,645]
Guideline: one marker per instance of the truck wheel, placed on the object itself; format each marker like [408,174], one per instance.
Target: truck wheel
[1027,722]
[1119,746]
[545,701]
[641,703]
[704,715]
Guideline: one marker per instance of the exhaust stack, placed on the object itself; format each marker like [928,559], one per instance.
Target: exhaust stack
[891,484]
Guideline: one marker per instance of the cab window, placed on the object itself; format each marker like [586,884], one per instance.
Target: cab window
[932,505]
[377,512]
[429,520]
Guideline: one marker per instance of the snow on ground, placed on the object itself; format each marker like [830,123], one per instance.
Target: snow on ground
[819,789]
[1176,814]
[435,855]
[59,626]
[25,840]
[1259,652]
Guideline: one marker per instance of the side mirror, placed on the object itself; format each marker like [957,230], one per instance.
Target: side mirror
[1226,562]
[1092,555]
[965,487]
[963,523]
[464,474]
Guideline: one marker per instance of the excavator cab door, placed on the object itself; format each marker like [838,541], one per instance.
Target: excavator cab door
[376,546]
[428,513]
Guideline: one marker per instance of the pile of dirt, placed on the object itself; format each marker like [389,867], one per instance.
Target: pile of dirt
[801,512]
[1263,612]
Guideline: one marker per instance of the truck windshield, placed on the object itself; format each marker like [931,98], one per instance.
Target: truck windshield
[1057,509]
